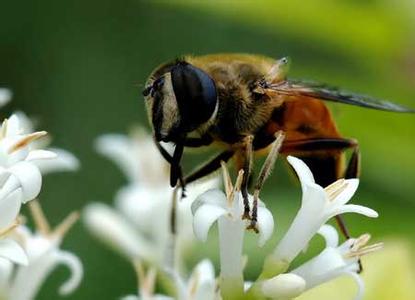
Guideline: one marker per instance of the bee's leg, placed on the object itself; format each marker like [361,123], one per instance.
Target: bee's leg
[263,175]
[209,167]
[166,155]
[352,171]
[247,157]
[176,169]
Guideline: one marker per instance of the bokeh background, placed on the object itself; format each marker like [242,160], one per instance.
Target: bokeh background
[78,67]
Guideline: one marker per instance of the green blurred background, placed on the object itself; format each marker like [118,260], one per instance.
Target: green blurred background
[79,67]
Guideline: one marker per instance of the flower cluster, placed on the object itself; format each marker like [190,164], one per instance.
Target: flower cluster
[139,228]
[27,258]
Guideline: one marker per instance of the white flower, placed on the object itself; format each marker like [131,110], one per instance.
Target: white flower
[139,226]
[335,261]
[5,96]
[201,285]
[119,233]
[318,205]
[227,210]
[9,209]
[63,160]
[137,157]
[213,206]
[17,169]
[44,254]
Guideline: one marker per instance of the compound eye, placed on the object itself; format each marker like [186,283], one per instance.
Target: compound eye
[195,93]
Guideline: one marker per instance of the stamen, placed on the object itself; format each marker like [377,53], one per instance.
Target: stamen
[336,188]
[359,248]
[364,251]
[66,224]
[139,269]
[236,188]
[9,229]
[149,283]
[41,223]
[226,179]
[3,130]
[146,282]
[194,284]
[25,140]
[360,242]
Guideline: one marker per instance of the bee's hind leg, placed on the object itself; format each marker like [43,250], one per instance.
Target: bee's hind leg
[263,175]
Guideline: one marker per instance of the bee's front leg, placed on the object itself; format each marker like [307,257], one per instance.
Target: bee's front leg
[247,157]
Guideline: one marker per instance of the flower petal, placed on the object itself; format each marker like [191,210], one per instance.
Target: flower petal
[75,267]
[13,126]
[284,286]
[12,251]
[353,208]
[9,208]
[40,154]
[265,225]
[203,219]
[119,148]
[62,161]
[204,275]
[330,235]
[212,197]
[360,284]
[6,271]
[5,96]
[112,228]
[302,170]
[347,194]
[29,178]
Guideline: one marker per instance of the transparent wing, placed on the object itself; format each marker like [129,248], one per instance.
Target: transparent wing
[323,92]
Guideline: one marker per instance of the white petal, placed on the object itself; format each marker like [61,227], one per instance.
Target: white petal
[145,206]
[62,161]
[12,251]
[330,235]
[302,170]
[13,126]
[314,198]
[40,154]
[29,177]
[6,271]
[205,275]
[329,264]
[9,208]
[75,267]
[24,124]
[265,225]
[284,286]
[347,194]
[212,197]
[119,148]
[353,208]
[130,297]
[195,189]
[5,96]
[203,219]
[112,228]
[360,285]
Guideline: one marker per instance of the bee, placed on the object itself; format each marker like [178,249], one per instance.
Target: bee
[239,102]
